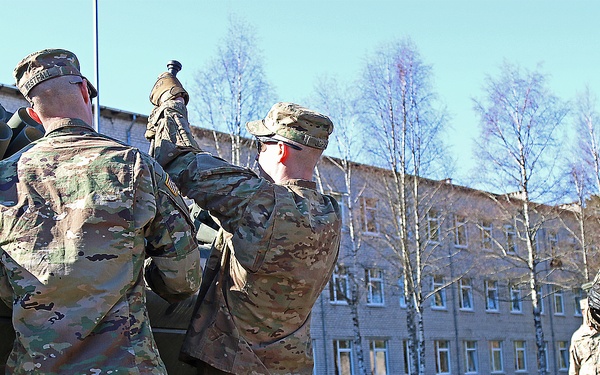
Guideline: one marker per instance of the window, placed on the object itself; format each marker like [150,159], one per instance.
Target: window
[520,356]
[374,287]
[559,306]
[460,231]
[471,357]
[433,226]
[402,292]
[496,356]
[343,357]
[378,350]
[516,304]
[511,239]
[339,286]
[491,295]
[466,294]
[563,355]
[486,235]
[368,210]
[442,357]
[439,294]
[539,293]
[341,199]
[552,241]
[578,296]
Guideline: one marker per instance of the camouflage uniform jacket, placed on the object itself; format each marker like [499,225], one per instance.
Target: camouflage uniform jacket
[272,257]
[584,352]
[79,215]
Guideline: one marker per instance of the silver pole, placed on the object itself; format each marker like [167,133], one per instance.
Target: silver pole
[97,99]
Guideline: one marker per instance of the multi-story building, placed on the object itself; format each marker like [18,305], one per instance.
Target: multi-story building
[473,268]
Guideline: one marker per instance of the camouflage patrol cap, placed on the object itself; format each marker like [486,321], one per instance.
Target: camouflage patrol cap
[46,64]
[295,123]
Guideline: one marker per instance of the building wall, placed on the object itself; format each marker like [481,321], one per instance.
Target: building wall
[331,321]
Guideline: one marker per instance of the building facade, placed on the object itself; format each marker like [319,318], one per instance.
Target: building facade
[473,269]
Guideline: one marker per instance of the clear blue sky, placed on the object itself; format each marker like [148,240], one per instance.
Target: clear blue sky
[300,40]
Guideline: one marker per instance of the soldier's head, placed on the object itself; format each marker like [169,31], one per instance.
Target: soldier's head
[50,79]
[290,137]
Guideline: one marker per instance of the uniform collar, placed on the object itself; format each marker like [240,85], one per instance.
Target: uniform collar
[64,123]
[301,183]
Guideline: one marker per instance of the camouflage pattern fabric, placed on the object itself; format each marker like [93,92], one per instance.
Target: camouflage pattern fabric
[273,255]
[83,218]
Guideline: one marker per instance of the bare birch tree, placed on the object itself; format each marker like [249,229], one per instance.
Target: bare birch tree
[520,121]
[584,173]
[406,127]
[347,143]
[232,89]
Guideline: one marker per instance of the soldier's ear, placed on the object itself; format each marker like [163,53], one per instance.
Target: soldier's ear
[33,114]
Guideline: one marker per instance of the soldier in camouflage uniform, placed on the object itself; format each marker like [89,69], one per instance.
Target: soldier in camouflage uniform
[83,218]
[278,239]
[584,352]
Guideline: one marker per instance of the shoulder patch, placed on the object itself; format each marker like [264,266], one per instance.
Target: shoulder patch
[171,185]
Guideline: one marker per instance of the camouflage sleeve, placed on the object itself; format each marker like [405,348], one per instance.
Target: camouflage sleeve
[223,189]
[173,269]
[214,184]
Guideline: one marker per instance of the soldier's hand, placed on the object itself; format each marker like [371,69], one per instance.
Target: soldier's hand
[167,87]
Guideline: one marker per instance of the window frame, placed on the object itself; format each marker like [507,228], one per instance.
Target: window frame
[461,233]
[433,231]
[465,285]
[496,368]
[442,353]
[340,354]
[336,277]
[441,293]
[471,359]
[558,296]
[515,289]
[563,355]
[368,215]
[487,228]
[496,296]
[510,236]
[402,296]
[520,355]
[372,283]
[373,351]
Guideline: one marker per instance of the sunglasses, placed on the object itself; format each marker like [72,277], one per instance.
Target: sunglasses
[263,141]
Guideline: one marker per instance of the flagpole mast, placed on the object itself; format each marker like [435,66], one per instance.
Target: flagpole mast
[97,108]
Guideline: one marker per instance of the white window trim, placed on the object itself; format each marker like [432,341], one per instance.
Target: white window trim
[499,350]
[339,276]
[476,359]
[339,351]
[458,225]
[442,293]
[438,351]
[522,350]
[558,294]
[433,216]
[373,352]
[515,289]
[469,289]
[380,281]
[487,228]
[496,299]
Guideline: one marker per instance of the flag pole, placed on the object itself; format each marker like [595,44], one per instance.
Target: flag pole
[97,99]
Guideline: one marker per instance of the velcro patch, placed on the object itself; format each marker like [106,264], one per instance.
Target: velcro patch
[171,185]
